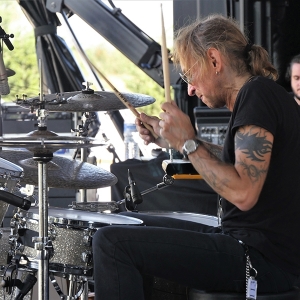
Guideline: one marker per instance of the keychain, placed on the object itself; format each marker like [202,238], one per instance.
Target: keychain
[251,282]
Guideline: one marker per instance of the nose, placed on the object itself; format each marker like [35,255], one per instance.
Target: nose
[191,90]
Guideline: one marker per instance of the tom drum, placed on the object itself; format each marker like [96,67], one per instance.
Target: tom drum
[70,234]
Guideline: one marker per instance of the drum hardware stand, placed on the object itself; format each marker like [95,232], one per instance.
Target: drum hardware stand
[110,148]
[76,288]
[29,191]
[10,279]
[129,202]
[82,130]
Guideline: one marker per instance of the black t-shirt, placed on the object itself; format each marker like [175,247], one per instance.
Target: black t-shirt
[272,226]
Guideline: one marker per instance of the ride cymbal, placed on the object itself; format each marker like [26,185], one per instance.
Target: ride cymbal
[86,101]
[62,172]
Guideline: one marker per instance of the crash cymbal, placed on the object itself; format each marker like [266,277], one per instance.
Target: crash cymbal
[86,101]
[62,172]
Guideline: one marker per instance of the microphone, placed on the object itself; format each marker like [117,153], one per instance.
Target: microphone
[27,286]
[4,88]
[135,193]
[14,200]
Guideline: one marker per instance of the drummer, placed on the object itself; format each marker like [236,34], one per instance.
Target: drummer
[252,174]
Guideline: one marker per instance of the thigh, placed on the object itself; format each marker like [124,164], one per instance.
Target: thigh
[209,261]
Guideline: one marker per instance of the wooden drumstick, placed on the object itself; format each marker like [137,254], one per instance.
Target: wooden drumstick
[165,61]
[125,102]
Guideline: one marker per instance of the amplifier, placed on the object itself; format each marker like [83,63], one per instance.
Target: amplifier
[212,123]
[17,119]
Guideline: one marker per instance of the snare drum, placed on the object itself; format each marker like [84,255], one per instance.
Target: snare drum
[70,233]
[197,218]
[10,175]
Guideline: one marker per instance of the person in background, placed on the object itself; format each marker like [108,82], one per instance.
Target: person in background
[293,75]
[252,173]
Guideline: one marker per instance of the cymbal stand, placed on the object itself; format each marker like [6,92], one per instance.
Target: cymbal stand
[41,243]
[87,118]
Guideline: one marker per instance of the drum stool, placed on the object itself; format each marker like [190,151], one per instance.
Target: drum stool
[194,294]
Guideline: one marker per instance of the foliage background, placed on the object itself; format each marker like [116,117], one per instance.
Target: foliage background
[123,74]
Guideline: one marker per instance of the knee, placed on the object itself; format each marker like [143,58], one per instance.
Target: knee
[102,237]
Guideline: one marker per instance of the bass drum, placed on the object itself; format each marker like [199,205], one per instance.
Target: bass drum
[70,234]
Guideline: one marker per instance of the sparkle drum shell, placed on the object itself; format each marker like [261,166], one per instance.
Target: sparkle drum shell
[10,175]
[70,233]
[5,246]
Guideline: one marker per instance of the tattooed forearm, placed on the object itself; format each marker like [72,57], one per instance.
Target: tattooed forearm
[252,171]
[215,150]
[211,177]
[254,145]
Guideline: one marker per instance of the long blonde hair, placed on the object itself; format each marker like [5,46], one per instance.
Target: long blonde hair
[216,31]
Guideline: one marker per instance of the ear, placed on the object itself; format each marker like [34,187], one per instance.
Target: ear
[214,59]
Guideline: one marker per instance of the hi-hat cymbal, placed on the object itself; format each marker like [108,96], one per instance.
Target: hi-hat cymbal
[86,101]
[40,141]
[62,172]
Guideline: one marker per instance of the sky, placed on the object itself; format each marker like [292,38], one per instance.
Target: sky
[144,14]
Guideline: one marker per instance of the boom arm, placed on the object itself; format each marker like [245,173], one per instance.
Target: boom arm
[117,29]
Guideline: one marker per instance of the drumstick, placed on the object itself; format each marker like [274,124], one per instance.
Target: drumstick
[165,61]
[125,102]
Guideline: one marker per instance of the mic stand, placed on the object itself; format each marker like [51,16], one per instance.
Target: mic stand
[4,38]
[128,201]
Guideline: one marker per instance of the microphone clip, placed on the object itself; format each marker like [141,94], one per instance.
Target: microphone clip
[132,194]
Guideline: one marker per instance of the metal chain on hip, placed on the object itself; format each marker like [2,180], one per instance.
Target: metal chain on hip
[251,274]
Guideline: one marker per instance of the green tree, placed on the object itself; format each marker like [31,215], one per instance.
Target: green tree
[22,59]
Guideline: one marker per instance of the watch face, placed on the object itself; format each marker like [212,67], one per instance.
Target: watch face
[190,146]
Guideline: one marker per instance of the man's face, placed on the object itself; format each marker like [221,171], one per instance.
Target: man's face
[295,79]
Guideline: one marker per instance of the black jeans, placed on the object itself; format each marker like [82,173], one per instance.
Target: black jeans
[188,253]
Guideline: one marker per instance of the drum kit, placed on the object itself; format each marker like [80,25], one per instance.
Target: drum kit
[51,241]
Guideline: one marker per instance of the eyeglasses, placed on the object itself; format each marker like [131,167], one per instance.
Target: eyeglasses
[184,77]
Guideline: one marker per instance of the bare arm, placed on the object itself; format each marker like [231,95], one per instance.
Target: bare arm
[214,149]
[242,182]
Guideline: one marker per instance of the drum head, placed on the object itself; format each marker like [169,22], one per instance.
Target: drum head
[78,218]
[197,218]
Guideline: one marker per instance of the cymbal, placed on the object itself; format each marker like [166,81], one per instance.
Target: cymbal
[48,141]
[62,172]
[86,101]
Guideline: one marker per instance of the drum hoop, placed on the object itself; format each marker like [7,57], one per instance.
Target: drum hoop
[174,213]
[78,223]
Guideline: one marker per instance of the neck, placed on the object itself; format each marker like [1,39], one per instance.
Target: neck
[236,87]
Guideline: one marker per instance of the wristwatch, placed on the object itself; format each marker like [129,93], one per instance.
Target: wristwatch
[190,146]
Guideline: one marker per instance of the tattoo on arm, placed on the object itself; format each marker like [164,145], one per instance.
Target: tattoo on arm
[215,150]
[253,145]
